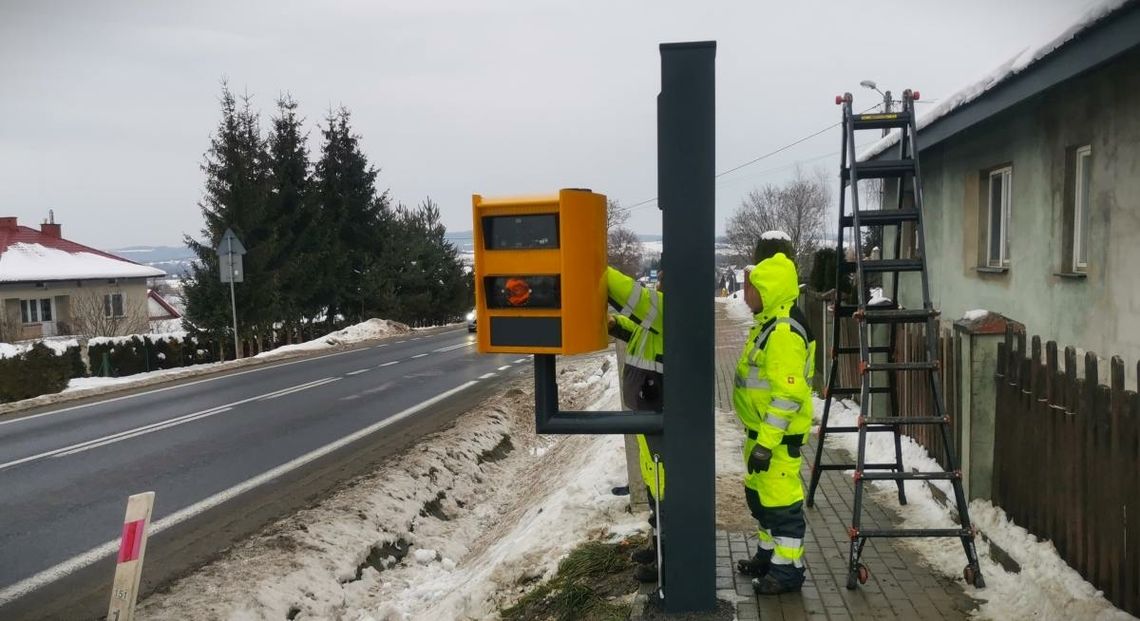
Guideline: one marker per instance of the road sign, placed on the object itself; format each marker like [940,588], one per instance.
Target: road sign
[229,251]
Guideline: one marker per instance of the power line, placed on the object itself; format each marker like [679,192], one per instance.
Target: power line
[760,158]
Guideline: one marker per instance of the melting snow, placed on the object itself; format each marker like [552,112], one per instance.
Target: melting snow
[1046,587]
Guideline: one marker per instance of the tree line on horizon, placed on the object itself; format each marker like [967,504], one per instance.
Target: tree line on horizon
[325,247]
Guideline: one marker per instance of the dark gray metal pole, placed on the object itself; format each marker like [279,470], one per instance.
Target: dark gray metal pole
[686,125]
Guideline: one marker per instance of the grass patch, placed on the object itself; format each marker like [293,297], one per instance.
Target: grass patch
[592,583]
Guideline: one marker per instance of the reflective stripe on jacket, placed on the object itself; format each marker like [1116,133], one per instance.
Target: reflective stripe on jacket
[772,387]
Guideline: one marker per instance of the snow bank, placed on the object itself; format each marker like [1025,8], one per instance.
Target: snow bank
[736,307]
[95,385]
[1045,588]
[1015,65]
[58,346]
[23,262]
[365,331]
[449,530]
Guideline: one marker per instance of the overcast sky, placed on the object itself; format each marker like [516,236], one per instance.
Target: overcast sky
[106,107]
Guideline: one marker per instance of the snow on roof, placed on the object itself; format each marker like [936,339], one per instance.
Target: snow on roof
[775,235]
[159,308]
[1015,65]
[28,255]
[22,262]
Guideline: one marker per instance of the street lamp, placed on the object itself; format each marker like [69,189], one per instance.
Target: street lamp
[886,96]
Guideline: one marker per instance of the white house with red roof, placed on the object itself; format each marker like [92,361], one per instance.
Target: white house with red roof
[52,286]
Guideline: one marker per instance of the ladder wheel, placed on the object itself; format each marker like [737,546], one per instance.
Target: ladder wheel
[973,576]
[858,576]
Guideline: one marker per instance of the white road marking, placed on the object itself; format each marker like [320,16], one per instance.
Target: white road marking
[388,364]
[120,437]
[98,553]
[289,391]
[452,347]
[380,345]
[399,342]
[487,376]
[418,356]
[158,390]
[504,367]
[358,372]
[520,360]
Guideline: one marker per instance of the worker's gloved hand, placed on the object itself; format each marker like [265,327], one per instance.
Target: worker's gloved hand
[759,459]
[650,390]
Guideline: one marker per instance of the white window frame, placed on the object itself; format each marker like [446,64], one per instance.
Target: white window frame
[1082,158]
[1006,175]
[109,306]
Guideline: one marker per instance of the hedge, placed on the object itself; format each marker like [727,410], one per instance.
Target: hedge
[128,355]
[37,371]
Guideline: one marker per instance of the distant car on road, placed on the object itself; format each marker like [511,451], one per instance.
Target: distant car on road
[471,321]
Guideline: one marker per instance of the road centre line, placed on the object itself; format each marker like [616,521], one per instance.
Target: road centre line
[418,356]
[452,348]
[486,376]
[357,372]
[157,426]
[98,553]
[166,388]
[388,364]
[520,360]
[504,367]
[289,391]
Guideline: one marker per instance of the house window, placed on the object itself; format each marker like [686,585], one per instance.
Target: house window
[1081,205]
[113,305]
[997,218]
[35,311]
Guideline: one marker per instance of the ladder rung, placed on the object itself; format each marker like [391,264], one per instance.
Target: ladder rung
[877,349]
[915,532]
[880,120]
[846,390]
[895,315]
[909,476]
[856,429]
[881,217]
[905,420]
[885,265]
[881,169]
[848,310]
[852,467]
[902,366]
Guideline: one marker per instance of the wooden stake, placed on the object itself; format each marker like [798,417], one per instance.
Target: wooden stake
[132,548]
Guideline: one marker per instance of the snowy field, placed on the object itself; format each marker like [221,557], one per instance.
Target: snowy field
[448,530]
[1046,587]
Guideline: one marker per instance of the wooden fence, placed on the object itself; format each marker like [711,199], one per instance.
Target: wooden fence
[913,387]
[1067,461]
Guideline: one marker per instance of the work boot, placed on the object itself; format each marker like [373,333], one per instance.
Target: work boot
[770,585]
[645,555]
[756,566]
[646,573]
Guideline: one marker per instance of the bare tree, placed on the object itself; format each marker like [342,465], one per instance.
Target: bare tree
[625,250]
[798,208]
[91,317]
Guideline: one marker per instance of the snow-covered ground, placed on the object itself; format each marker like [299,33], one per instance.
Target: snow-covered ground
[1046,587]
[365,331]
[449,530]
[735,306]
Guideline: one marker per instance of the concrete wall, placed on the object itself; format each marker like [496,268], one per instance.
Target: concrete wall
[70,297]
[1100,312]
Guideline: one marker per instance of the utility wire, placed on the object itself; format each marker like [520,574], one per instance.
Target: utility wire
[762,157]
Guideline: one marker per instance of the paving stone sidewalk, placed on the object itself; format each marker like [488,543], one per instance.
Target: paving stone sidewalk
[900,586]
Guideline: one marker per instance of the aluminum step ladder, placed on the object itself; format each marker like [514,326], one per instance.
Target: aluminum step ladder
[903,168]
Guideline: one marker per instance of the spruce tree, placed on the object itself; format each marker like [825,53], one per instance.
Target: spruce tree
[234,197]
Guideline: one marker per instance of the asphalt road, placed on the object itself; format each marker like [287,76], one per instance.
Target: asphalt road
[224,455]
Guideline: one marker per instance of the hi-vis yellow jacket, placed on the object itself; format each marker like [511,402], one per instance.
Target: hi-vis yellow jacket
[772,389]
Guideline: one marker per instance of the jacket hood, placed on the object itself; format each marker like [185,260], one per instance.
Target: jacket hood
[776,280]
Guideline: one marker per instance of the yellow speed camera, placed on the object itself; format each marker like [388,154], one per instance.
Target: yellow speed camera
[539,273]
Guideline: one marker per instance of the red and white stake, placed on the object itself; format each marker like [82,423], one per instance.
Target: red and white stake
[132,548]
